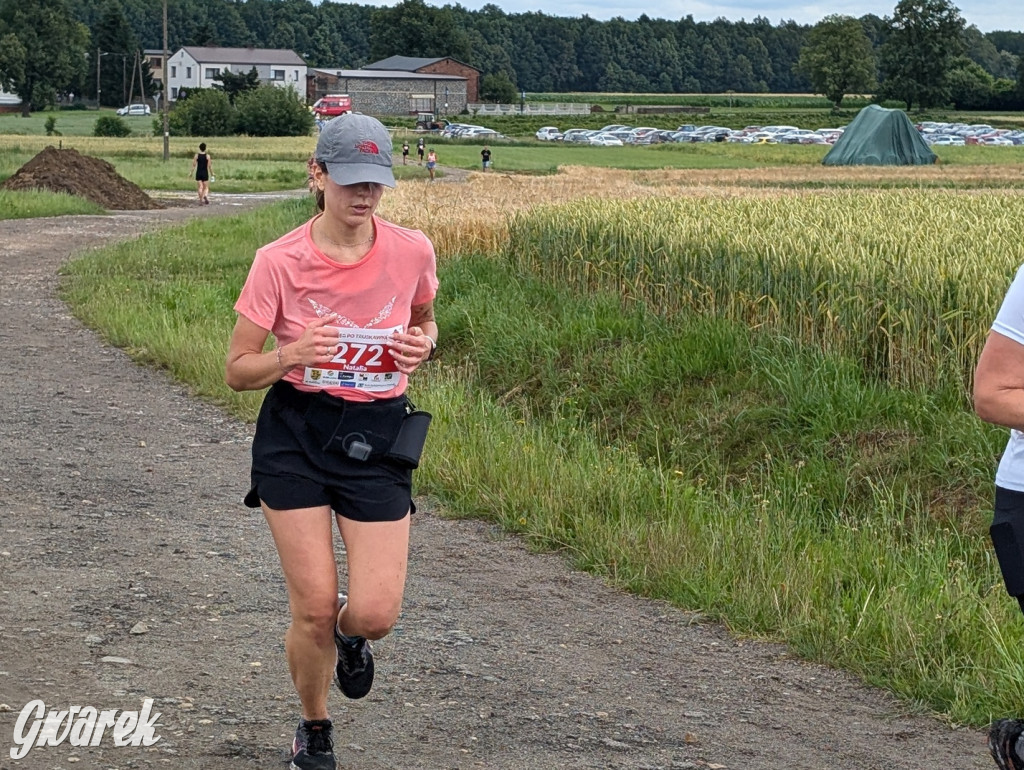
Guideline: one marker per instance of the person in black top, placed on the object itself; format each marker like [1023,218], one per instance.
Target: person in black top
[420,148]
[203,169]
[485,156]
[405,153]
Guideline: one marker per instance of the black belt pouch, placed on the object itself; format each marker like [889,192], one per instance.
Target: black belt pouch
[408,446]
[365,431]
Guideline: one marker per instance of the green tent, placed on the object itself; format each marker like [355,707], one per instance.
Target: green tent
[880,137]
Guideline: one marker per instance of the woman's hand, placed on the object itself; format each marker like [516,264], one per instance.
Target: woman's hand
[410,349]
[317,344]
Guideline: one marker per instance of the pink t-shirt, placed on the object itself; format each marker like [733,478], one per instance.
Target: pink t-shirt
[291,283]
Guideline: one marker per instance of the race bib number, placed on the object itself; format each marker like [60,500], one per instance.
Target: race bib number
[362,362]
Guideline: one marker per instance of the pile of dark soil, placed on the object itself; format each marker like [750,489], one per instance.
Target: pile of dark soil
[68,171]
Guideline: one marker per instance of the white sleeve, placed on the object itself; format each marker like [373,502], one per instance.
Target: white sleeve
[1010,319]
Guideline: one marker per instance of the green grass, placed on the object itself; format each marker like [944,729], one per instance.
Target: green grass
[685,457]
[69,122]
[548,157]
[253,167]
[243,164]
[700,462]
[38,203]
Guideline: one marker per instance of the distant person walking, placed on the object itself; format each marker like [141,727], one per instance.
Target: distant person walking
[202,167]
[431,163]
[420,147]
[405,153]
[485,157]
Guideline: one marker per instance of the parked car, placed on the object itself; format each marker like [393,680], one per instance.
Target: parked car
[796,137]
[605,140]
[453,129]
[580,135]
[623,135]
[779,130]
[644,135]
[548,134]
[712,134]
[134,109]
[478,132]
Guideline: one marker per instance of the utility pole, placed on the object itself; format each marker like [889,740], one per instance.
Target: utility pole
[167,95]
[98,78]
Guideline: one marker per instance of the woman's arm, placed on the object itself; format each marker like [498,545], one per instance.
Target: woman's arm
[422,318]
[999,382]
[250,368]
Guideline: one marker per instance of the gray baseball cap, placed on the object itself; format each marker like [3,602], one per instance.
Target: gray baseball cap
[355,149]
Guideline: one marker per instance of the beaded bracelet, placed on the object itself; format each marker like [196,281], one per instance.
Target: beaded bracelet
[279,363]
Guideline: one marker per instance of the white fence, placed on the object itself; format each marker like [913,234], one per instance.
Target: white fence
[530,108]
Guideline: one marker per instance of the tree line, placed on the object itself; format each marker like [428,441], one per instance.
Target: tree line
[45,48]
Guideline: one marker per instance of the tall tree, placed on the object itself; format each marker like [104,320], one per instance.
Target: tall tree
[1020,80]
[412,28]
[925,36]
[970,86]
[114,40]
[235,83]
[42,51]
[497,87]
[838,59]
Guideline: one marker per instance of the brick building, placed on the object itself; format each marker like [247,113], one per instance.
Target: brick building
[444,65]
[391,92]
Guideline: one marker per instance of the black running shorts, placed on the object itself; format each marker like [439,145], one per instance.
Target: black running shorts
[291,468]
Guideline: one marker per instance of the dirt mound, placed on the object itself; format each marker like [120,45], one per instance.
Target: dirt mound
[68,171]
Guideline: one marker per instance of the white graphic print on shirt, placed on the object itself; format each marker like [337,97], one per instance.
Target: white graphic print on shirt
[362,360]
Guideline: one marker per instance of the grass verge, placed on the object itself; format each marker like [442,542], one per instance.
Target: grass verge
[39,203]
[688,458]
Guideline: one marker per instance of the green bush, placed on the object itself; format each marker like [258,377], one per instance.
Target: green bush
[111,125]
[272,111]
[51,126]
[206,112]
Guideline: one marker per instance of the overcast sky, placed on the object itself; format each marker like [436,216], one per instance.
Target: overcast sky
[986,15]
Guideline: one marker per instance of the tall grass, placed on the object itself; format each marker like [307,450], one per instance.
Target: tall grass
[907,284]
[724,469]
[592,396]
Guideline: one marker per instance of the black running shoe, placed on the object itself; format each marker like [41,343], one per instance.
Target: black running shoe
[313,748]
[354,671]
[1002,743]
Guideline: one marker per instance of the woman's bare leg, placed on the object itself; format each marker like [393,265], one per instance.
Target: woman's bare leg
[378,558]
[304,544]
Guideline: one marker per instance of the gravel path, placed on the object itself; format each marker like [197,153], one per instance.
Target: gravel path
[123,538]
